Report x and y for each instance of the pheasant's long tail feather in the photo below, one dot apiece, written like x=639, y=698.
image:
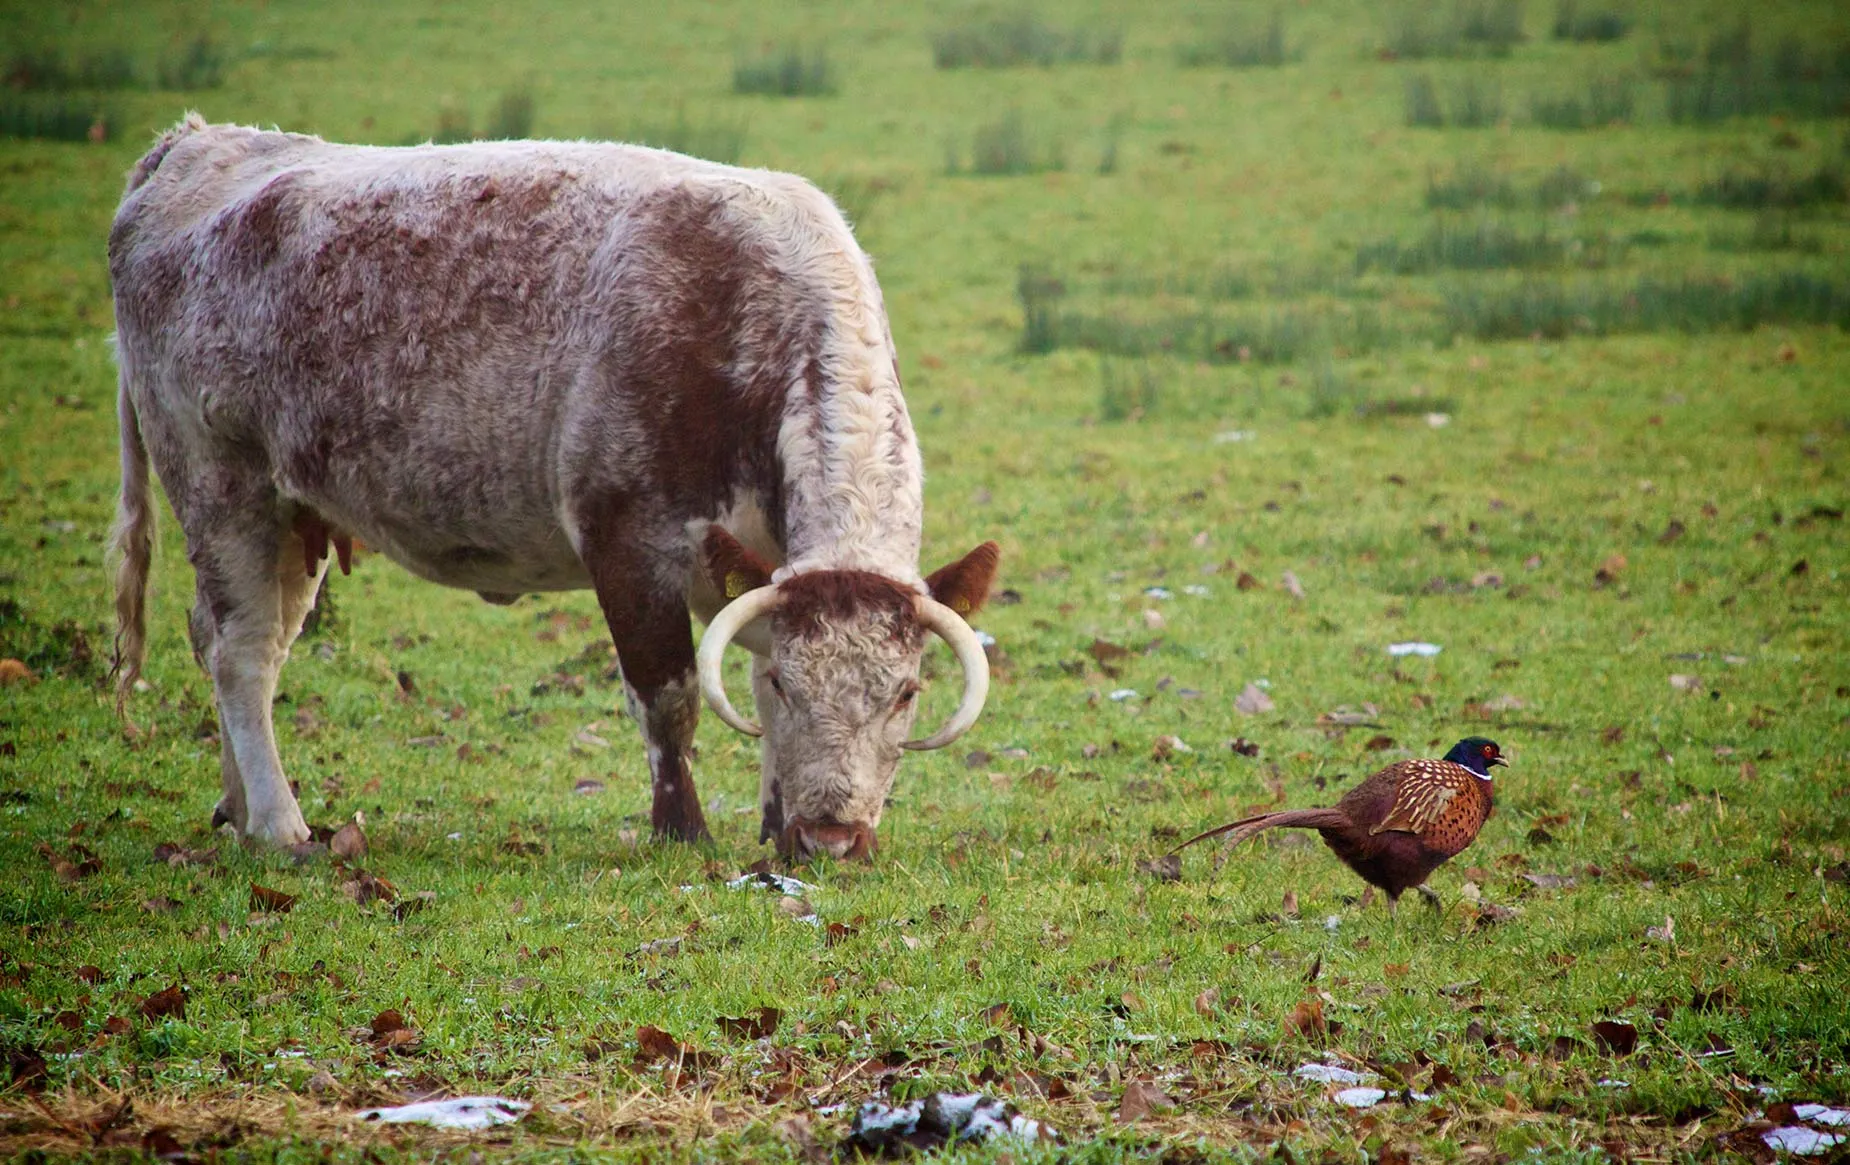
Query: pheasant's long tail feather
x=1239, y=831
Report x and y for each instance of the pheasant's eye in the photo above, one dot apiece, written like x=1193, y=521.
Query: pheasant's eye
x=1490, y=750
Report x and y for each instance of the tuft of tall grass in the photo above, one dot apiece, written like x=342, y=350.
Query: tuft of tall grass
x=512, y=117
x=198, y=64
x=1422, y=103
x=55, y=118
x=1040, y=292
x=1763, y=188
x=1601, y=101
x=1472, y=27
x=1129, y=390
x=791, y=70
x=1239, y=46
x=1734, y=80
x=1553, y=309
x=1495, y=24
x=1771, y=230
x=1477, y=102
x=109, y=67
x=1486, y=245
x=1573, y=24
x=1007, y=146
x=1469, y=184
x=1022, y=38
x=453, y=124
x=1561, y=187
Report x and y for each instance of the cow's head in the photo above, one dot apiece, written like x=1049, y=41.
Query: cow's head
x=835, y=673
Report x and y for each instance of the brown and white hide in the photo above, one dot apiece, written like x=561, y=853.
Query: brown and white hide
x=534, y=366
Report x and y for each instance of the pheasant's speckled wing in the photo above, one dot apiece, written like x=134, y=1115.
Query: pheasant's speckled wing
x=1425, y=792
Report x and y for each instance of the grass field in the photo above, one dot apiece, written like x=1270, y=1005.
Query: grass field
x=1516, y=331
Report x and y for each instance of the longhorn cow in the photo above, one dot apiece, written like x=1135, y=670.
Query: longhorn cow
x=536, y=366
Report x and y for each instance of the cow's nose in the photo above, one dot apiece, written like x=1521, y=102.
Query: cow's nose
x=841, y=840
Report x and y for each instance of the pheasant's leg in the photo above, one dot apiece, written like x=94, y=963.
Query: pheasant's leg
x=1368, y=898
x=1432, y=899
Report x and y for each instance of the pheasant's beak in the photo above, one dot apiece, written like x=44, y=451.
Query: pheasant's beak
x=1497, y=760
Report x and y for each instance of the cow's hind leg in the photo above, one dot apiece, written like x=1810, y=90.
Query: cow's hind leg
x=654, y=636
x=254, y=591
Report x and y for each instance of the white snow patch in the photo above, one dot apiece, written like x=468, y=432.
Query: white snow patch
x=1799, y=1139
x=461, y=1112
x=1414, y=648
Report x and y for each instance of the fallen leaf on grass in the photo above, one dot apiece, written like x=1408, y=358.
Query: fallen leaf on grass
x=88, y=974
x=271, y=901
x=1684, y=682
x=752, y=1027
x=170, y=1003
x=1208, y=1001
x=835, y=933
x=1104, y=651
x=161, y=905
x=1294, y=588
x=588, y=787
x=175, y=855
x=348, y=842
x=1141, y=1100
x=1615, y=1038
x=1306, y=1020
x=1253, y=701
x=1666, y=933
x=365, y=887
x=1379, y=743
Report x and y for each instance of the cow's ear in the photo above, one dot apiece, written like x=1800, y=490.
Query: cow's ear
x=963, y=586
x=732, y=568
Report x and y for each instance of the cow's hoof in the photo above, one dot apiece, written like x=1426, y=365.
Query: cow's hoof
x=280, y=832
x=226, y=813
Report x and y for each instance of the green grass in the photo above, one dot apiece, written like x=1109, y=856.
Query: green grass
x=1580, y=482
x=791, y=70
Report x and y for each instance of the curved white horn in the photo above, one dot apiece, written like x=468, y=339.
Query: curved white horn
x=950, y=627
x=726, y=624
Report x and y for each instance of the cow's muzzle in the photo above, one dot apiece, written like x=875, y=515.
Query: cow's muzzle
x=803, y=839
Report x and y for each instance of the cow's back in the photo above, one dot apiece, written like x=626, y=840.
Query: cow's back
x=410, y=333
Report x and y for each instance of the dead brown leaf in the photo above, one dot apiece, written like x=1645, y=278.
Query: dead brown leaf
x=1615, y=1038
x=165, y=1004
x=1253, y=701
x=271, y=901
x=1105, y=651
x=348, y=842
x=161, y=905
x=1208, y=1001
x=1142, y=1099
x=1306, y=1020
x=752, y=1027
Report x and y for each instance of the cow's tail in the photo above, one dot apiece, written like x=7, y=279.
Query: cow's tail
x=132, y=547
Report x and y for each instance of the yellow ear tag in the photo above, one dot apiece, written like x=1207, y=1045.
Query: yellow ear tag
x=961, y=606
x=736, y=584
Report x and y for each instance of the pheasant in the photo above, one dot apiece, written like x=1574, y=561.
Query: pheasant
x=1398, y=826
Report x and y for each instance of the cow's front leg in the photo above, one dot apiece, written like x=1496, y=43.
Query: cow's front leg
x=252, y=595
x=654, y=636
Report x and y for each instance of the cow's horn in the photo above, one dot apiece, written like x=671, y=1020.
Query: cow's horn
x=731, y=618
x=950, y=627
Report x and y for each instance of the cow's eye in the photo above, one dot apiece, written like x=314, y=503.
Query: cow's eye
x=906, y=697
x=777, y=684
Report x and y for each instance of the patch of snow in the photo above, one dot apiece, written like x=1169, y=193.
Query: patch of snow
x=1122, y=694
x=782, y=883
x=1820, y=1114
x=1361, y=1097
x=1229, y=436
x=1328, y=1074
x=461, y=1112
x=1414, y=648
x=1799, y=1139
x=985, y=638
x=1196, y=590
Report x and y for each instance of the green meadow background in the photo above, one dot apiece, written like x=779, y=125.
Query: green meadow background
x=1261, y=338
